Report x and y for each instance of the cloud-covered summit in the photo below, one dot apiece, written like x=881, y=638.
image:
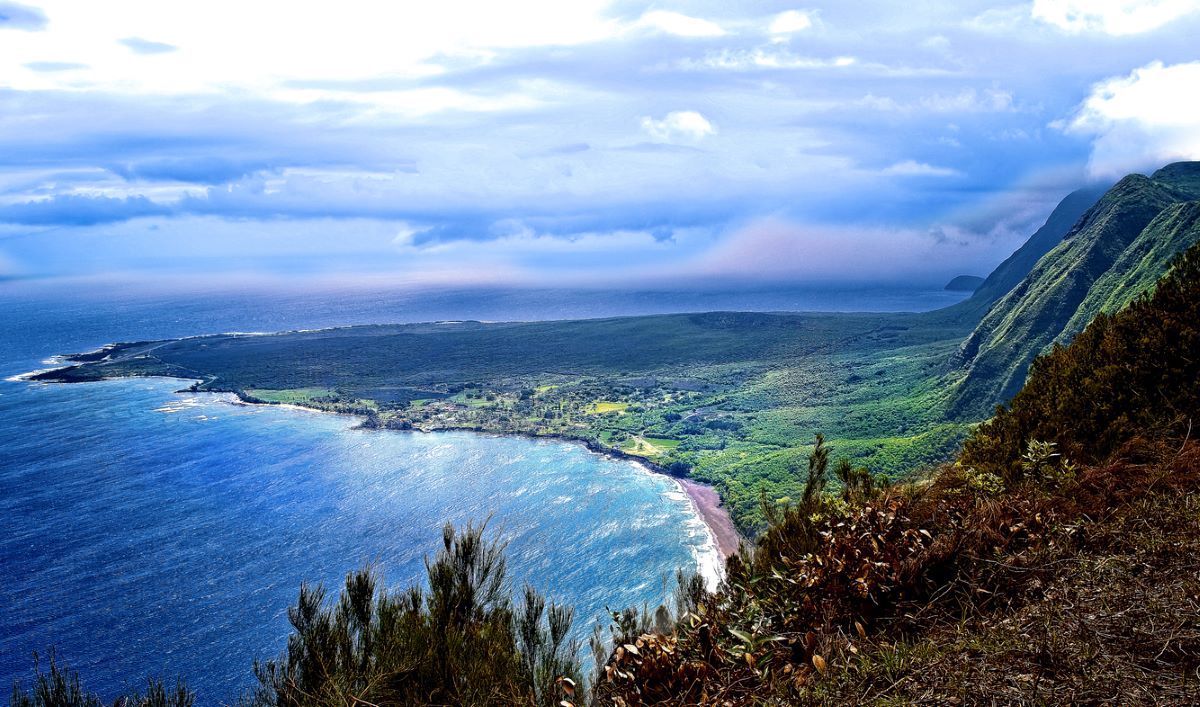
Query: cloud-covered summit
x=591, y=140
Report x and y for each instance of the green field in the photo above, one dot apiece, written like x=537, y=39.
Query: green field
x=601, y=407
x=653, y=448
x=296, y=396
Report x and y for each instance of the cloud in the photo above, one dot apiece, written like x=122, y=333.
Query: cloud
x=912, y=168
x=937, y=43
x=1142, y=120
x=679, y=126
x=1114, y=17
x=479, y=126
x=778, y=249
x=78, y=210
x=1006, y=19
x=969, y=100
x=15, y=16
x=209, y=169
x=678, y=24
x=790, y=22
x=54, y=66
x=762, y=58
x=144, y=46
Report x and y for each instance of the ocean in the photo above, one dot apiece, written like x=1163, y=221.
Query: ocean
x=149, y=532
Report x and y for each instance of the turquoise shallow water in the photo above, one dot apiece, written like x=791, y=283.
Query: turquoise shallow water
x=148, y=532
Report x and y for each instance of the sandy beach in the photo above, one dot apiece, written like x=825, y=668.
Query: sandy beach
x=714, y=515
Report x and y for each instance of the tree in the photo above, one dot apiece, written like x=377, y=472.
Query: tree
x=60, y=687
x=459, y=643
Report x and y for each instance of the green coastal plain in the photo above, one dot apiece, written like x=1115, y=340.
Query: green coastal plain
x=727, y=398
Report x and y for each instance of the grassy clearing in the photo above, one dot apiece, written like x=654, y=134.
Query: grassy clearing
x=654, y=447
x=662, y=443
x=292, y=395
x=601, y=407
x=474, y=402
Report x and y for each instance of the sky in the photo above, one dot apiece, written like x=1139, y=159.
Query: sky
x=587, y=142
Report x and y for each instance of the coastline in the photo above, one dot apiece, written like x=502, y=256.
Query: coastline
x=723, y=538
x=720, y=525
x=54, y=362
x=706, y=503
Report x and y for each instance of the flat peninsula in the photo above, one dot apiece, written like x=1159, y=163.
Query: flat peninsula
x=729, y=399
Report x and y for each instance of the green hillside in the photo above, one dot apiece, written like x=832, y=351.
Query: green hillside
x=1139, y=267
x=1112, y=254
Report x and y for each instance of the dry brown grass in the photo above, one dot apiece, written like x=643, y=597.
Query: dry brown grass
x=1098, y=603
x=1084, y=593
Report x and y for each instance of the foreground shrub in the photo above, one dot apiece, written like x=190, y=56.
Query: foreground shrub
x=60, y=687
x=461, y=643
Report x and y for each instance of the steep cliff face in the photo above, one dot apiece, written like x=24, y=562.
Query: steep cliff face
x=1116, y=251
x=1139, y=266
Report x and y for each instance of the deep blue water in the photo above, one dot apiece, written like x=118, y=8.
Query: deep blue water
x=149, y=532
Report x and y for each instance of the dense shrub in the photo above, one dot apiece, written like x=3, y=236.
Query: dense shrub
x=462, y=642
